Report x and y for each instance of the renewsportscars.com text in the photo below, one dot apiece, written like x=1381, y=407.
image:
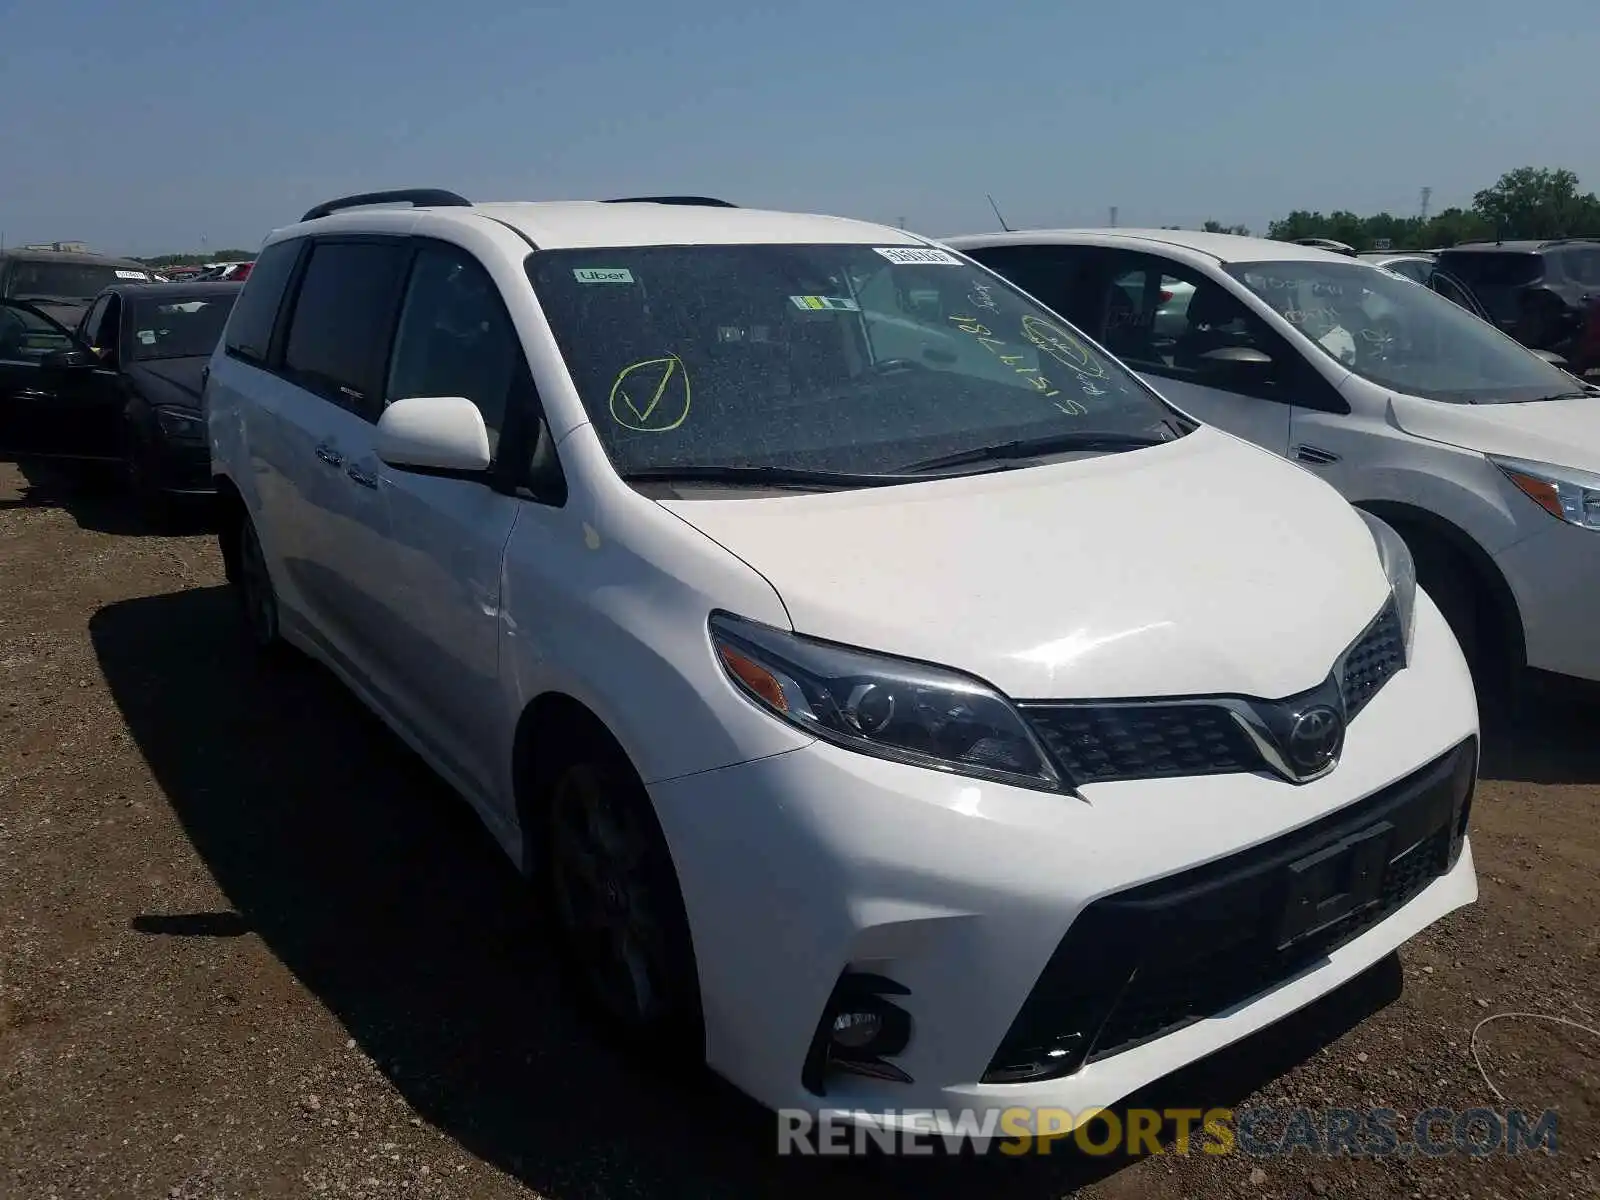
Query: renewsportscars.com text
x=1259, y=1132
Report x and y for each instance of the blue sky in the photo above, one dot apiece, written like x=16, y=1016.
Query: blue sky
x=141, y=127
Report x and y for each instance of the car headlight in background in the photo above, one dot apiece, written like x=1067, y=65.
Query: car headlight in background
x=1565, y=493
x=889, y=707
x=181, y=424
x=1401, y=569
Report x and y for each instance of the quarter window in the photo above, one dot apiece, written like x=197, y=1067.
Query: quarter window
x=250, y=325
x=339, y=334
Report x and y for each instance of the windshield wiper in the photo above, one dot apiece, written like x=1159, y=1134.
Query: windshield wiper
x=1036, y=447
x=776, y=477
x=1579, y=394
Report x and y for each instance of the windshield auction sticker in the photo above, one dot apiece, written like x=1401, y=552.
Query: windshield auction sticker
x=918, y=256
x=825, y=303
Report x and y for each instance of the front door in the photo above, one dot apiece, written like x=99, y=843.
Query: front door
x=448, y=536
x=1186, y=335
x=49, y=406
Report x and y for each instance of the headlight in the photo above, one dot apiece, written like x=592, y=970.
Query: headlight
x=889, y=707
x=1401, y=569
x=181, y=424
x=1565, y=493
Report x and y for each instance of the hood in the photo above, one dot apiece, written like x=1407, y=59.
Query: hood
x=1200, y=566
x=173, y=381
x=1560, y=432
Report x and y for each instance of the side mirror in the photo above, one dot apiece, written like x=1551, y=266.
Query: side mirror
x=68, y=360
x=443, y=434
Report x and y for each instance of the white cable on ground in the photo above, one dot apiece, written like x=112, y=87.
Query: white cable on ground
x=1531, y=1016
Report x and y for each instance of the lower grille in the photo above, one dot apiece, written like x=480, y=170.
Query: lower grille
x=1157, y=1004
x=1144, y=962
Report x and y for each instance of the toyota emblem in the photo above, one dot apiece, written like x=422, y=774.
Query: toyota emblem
x=1315, y=739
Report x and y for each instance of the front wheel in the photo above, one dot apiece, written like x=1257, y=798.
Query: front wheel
x=144, y=483
x=617, y=904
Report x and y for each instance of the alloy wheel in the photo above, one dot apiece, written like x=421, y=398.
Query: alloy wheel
x=605, y=896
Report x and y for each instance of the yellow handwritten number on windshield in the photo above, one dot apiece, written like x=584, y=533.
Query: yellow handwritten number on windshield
x=665, y=383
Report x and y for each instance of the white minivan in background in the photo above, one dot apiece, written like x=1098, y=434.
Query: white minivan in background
x=898, y=703
x=1483, y=455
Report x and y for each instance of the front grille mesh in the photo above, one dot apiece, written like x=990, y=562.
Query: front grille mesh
x=1155, y=739
x=1152, y=741
x=1373, y=660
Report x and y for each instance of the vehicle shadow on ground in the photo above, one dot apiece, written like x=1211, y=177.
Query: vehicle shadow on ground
x=97, y=499
x=383, y=895
x=1550, y=735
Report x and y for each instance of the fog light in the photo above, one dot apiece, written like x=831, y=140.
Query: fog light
x=856, y=1030
x=859, y=1032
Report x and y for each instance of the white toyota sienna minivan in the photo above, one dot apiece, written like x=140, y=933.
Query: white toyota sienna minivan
x=897, y=702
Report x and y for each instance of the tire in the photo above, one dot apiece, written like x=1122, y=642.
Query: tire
x=1467, y=608
x=617, y=908
x=154, y=505
x=258, y=599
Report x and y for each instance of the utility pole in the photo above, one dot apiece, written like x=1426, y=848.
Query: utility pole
x=1427, y=194
x=1113, y=216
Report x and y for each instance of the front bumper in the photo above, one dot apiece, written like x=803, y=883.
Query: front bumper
x=796, y=867
x=1555, y=577
x=180, y=468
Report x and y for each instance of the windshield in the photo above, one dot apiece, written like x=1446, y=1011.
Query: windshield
x=1492, y=268
x=820, y=357
x=32, y=280
x=178, y=328
x=1401, y=336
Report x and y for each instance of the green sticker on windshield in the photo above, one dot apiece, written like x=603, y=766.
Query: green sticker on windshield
x=825, y=303
x=602, y=275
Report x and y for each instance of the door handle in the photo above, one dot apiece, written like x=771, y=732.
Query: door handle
x=330, y=456
x=364, y=478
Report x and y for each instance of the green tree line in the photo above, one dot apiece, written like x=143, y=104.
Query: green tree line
x=195, y=260
x=1530, y=202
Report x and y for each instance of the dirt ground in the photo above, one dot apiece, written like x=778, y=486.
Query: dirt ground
x=249, y=947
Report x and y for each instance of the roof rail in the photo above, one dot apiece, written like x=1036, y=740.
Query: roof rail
x=419, y=197
x=693, y=201
x=1563, y=240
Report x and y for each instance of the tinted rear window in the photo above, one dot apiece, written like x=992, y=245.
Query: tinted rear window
x=1492, y=268
x=343, y=318
x=32, y=279
x=249, y=333
x=1582, y=266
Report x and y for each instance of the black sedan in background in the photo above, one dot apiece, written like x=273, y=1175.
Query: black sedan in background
x=124, y=386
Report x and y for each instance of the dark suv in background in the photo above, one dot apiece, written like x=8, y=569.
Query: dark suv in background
x=1543, y=293
x=63, y=283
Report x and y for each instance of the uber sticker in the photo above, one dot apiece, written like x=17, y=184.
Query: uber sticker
x=602, y=275
x=147, y=337
x=825, y=303
x=132, y=275
x=918, y=256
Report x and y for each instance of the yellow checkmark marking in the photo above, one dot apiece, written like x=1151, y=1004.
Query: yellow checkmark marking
x=637, y=418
